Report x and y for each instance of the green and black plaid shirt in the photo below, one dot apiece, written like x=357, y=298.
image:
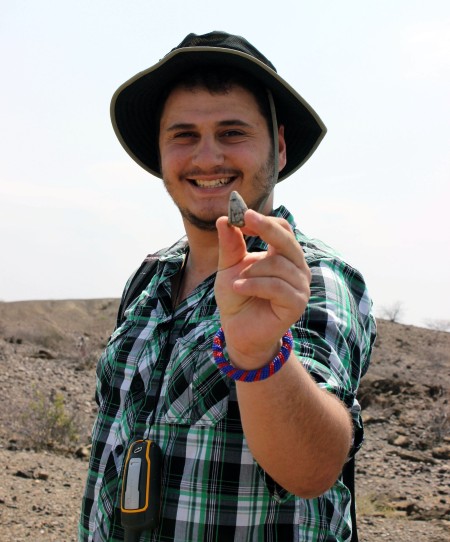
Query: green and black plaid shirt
x=157, y=380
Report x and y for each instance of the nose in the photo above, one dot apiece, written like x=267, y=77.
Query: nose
x=207, y=153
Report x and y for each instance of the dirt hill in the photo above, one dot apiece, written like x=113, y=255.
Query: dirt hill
x=48, y=353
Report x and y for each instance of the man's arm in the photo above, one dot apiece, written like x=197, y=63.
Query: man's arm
x=300, y=434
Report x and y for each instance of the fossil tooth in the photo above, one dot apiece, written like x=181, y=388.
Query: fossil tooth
x=236, y=210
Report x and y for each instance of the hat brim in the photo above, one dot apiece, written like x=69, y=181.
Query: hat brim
x=133, y=106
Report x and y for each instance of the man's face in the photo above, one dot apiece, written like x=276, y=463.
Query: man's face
x=211, y=144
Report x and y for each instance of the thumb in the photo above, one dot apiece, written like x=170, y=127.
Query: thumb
x=232, y=248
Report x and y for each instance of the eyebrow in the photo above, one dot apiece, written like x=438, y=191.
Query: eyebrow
x=190, y=126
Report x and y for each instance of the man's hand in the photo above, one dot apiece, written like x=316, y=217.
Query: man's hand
x=259, y=295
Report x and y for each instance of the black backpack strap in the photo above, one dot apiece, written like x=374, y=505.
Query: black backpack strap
x=140, y=280
x=348, y=478
x=136, y=284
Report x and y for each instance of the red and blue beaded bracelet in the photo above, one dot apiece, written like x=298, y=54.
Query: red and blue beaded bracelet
x=254, y=375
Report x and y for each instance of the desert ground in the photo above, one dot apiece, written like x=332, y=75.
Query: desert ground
x=48, y=354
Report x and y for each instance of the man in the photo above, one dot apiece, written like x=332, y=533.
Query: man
x=253, y=434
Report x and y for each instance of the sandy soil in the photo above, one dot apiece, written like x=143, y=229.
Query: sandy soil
x=48, y=350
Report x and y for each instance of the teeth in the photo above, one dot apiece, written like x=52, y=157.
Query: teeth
x=212, y=184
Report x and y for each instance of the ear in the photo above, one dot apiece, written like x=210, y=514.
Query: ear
x=281, y=148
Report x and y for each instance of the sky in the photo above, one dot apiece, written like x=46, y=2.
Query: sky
x=77, y=215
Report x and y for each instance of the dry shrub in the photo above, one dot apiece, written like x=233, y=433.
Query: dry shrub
x=46, y=423
x=374, y=505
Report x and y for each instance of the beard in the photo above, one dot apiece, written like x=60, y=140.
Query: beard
x=262, y=184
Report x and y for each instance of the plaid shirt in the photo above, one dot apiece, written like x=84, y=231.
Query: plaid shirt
x=156, y=379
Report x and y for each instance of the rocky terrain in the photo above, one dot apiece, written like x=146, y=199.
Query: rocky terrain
x=48, y=353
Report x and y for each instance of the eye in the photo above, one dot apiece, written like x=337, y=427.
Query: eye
x=182, y=135
x=184, y=138
x=233, y=134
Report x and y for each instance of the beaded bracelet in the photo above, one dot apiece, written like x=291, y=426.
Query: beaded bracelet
x=254, y=375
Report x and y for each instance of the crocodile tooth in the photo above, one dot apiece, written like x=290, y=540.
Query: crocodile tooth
x=236, y=210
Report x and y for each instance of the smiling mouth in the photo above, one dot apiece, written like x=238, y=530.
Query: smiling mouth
x=212, y=183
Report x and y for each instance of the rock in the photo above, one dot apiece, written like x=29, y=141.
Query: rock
x=400, y=440
x=368, y=419
x=24, y=474
x=43, y=354
x=411, y=509
x=418, y=457
x=428, y=513
x=403, y=506
x=83, y=451
x=441, y=452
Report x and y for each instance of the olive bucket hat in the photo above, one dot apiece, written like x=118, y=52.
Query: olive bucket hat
x=135, y=104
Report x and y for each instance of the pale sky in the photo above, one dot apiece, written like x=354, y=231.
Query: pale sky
x=77, y=215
